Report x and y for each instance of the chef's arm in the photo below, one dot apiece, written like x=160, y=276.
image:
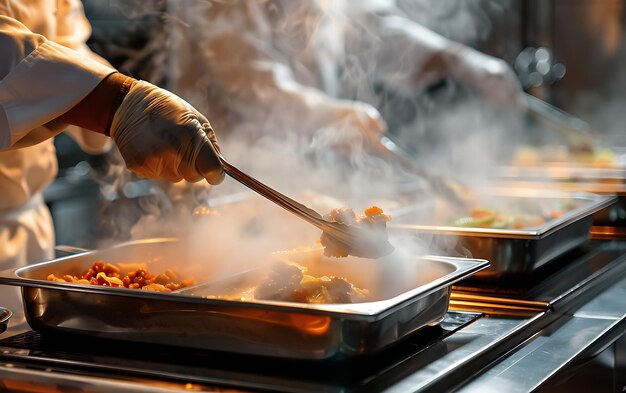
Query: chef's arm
x=95, y=111
x=247, y=71
x=409, y=56
x=259, y=84
x=39, y=81
x=266, y=93
x=45, y=86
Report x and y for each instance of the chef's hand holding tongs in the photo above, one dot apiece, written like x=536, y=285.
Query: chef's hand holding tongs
x=160, y=135
x=497, y=84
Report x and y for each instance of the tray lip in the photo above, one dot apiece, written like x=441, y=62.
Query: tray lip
x=367, y=311
x=597, y=202
x=562, y=170
x=593, y=187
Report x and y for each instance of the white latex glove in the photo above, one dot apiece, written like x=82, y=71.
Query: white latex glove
x=161, y=136
x=490, y=77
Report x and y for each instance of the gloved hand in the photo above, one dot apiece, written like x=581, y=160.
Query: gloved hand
x=409, y=56
x=161, y=136
x=352, y=122
x=490, y=77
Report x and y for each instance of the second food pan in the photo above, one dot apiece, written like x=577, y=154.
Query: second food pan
x=572, y=178
x=512, y=252
x=406, y=295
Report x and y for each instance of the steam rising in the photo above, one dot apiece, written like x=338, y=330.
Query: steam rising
x=298, y=148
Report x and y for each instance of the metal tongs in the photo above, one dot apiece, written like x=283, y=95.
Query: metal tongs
x=357, y=241
x=577, y=133
x=448, y=189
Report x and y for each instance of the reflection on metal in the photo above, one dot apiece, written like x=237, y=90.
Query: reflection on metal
x=262, y=327
x=467, y=352
x=514, y=252
x=610, y=304
x=569, y=343
x=27, y=378
x=620, y=365
x=493, y=305
x=493, y=309
x=544, y=357
x=608, y=233
x=586, y=316
x=338, y=375
x=5, y=315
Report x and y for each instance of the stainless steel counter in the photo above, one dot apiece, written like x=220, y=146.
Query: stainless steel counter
x=573, y=339
x=493, y=353
x=456, y=357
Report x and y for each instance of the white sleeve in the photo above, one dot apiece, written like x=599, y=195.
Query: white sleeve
x=39, y=81
x=237, y=52
x=407, y=55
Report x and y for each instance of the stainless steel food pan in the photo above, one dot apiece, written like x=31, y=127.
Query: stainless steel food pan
x=514, y=252
x=603, y=181
x=407, y=294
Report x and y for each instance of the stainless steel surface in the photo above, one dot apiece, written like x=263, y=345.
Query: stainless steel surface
x=29, y=378
x=440, y=364
x=478, y=344
x=500, y=305
x=357, y=241
x=609, y=304
x=419, y=297
x=516, y=251
x=5, y=315
x=589, y=280
x=532, y=366
x=459, y=360
x=620, y=365
x=566, y=344
x=567, y=284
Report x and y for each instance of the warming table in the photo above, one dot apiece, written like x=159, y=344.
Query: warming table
x=538, y=349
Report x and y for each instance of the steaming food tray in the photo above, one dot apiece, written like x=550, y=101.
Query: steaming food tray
x=513, y=252
x=573, y=178
x=402, y=304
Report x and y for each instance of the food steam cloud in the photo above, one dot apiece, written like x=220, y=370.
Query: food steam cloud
x=266, y=53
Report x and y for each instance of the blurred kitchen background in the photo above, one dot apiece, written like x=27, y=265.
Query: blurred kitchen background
x=567, y=52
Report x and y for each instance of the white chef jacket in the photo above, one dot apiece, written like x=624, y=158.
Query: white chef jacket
x=40, y=79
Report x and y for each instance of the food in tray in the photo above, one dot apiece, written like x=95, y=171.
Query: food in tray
x=289, y=282
x=492, y=218
x=600, y=158
x=131, y=276
x=373, y=220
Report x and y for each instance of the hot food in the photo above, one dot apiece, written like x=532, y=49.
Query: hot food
x=372, y=223
x=503, y=219
x=288, y=282
x=136, y=277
